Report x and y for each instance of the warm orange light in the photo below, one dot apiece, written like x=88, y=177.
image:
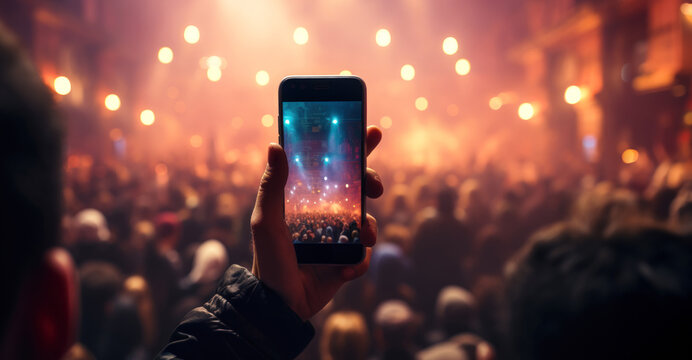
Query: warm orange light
x=630, y=156
x=300, y=36
x=687, y=119
x=237, y=122
x=214, y=74
x=462, y=67
x=495, y=103
x=231, y=156
x=408, y=72
x=383, y=37
x=686, y=9
x=191, y=34
x=450, y=45
x=62, y=85
x=526, y=111
x=214, y=62
x=115, y=134
x=262, y=78
x=147, y=117
x=196, y=141
x=267, y=120
x=386, y=122
x=345, y=72
x=165, y=55
x=573, y=94
x=421, y=103
x=112, y=102
x=452, y=110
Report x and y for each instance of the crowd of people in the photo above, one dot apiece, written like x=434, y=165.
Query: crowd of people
x=323, y=228
x=473, y=263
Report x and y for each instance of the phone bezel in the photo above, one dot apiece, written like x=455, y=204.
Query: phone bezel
x=328, y=88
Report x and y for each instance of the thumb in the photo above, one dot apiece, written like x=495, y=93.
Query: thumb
x=268, y=212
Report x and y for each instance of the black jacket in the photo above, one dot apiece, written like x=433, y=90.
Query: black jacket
x=243, y=320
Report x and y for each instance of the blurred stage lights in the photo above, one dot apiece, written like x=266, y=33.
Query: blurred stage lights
x=383, y=38
x=62, y=85
x=386, y=122
x=191, y=34
x=262, y=78
x=287, y=122
x=495, y=103
x=450, y=45
x=147, y=117
x=686, y=9
x=196, y=141
x=300, y=36
x=214, y=61
x=462, y=67
x=526, y=111
x=421, y=103
x=573, y=95
x=267, y=120
x=214, y=74
x=165, y=55
x=408, y=72
x=345, y=73
x=112, y=102
x=335, y=121
x=630, y=156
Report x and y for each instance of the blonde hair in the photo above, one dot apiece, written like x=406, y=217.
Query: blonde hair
x=345, y=336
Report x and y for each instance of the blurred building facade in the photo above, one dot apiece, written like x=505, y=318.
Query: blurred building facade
x=630, y=59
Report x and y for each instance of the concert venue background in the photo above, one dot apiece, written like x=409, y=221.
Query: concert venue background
x=323, y=142
x=499, y=118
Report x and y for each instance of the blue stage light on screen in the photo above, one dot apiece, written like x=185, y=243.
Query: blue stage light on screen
x=297, y=158
x=326, y=160
x=335, y=121
x=287, y=122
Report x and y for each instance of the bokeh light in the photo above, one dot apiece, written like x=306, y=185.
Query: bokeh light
x=191, y=34
x=62, y=85
x=462, y=67
x=630, y=156
x=383, y=38
x=495, y=103
x=147, y=117
x=262, y=78
x=686, y=9
x=452, y=110
x=408, y=72
x=345, y=73
x=450, y=45
x=112, y=102
x=526, y=111
x=300, y=36
x=421, y=103
x=573, y=94
x=214, y=61
x=196, y=141
x=386, y=122
x=267, y=120
x=214, y=74
x=165, y=55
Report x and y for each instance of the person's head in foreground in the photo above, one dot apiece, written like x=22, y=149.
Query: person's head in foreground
x=345, y=337
x=625, y=295
x=39, y=315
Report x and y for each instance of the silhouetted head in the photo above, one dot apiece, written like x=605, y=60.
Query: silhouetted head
x=31, y=193
x=625, y=295
x=345, y=336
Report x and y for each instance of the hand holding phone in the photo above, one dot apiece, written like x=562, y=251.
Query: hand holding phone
x=305, y=288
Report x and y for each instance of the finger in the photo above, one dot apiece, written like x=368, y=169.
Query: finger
x=369, y=232
x=351, y=272
x=268, y=211
x=373, y=184
x=373, y=136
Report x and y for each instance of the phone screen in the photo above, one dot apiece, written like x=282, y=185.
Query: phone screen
x=323, y=144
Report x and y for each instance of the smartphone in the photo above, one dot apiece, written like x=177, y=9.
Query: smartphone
x=322, y=129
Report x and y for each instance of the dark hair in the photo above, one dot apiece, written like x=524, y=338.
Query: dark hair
x=30, y=169
x=625, y=295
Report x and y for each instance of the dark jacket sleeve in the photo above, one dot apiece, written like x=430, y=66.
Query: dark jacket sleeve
x=243, y=320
